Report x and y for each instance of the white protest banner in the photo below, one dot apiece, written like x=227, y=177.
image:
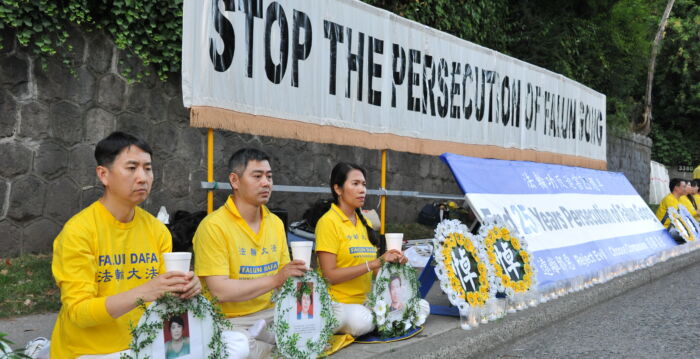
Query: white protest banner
x=344, y=72
x=576, y=220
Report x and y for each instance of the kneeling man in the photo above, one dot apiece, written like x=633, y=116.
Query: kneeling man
x=677, y=187
x=241, y=251
x=110, y=255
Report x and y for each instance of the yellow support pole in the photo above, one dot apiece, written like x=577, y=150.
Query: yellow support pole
x=210, y=169
x=382, y=200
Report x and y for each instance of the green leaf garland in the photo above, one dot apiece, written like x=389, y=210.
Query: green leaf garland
x=387, y=327
x=167, y=306
x=288, y=344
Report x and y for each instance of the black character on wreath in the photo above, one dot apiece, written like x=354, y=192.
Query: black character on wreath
x=466, y=269
x=509, y=260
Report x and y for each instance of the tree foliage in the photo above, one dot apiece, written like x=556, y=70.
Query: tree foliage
x=484, y=22
x=603, y=44
x=676, y=101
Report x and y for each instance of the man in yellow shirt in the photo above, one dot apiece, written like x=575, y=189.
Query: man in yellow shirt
x=110, y=255
x=677, y=187
x=696, y=172
x=241, y=251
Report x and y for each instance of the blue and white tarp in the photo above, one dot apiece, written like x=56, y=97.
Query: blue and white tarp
x=576, y=220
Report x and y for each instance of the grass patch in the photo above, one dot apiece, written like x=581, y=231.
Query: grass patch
x=27, y=286
x=411, y=230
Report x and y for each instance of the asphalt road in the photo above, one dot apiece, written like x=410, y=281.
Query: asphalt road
x=657, y=320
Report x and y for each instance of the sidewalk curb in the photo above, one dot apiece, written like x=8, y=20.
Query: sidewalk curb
x=443, y=337
x=458, y=343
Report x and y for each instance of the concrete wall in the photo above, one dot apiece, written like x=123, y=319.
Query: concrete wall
x=51, y=119
x=631, y=154
x=673, y=172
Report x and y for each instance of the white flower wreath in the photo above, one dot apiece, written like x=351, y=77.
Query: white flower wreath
x=513, y=252
x=391, y=324
x=452, y=235
x=315, y=340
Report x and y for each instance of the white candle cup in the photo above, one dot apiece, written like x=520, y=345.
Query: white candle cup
x=177, y=261
x=484, y=314
x=394, y=241
x=473, y=318
x=302, y=250
x=464, y=322
x=511, y=305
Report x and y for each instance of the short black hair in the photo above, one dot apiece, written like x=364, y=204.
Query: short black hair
x=239, y=159
x=109, y=147
x=177, y=319
x=675, y=182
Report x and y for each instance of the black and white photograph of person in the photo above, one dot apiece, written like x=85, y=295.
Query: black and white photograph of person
x=305, y=300
x=176, y=336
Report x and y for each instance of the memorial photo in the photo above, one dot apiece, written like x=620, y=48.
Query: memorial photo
x=176, y=336
x=396, y=295
x=305, y=300
x=395, y=286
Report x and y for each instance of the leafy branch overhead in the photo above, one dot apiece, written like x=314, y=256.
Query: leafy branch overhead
x=676, y=100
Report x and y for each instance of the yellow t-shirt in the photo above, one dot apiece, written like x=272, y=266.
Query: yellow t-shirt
x=96, y=256
x=336, y=234
x=224, y=244
x=688, y=205
x=697, y=204
x=669, y=201
x=696, y=173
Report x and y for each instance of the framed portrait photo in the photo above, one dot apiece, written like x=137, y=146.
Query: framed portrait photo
x=171, y=328
x=305, y=302
x=394, y=300
x=304, y=318
x=176, y=336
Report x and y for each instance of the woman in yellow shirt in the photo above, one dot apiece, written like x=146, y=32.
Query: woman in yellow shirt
x=347, y=246
x=694, y=197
